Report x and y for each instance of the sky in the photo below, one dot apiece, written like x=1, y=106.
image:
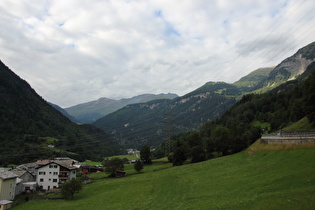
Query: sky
x=75, y=51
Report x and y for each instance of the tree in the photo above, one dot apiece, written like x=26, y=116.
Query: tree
x=221, y=137
x=70, y=187
x=198, y=154
x=112, y=165
x=138, y=166
x=180, y=153
x=145, y=154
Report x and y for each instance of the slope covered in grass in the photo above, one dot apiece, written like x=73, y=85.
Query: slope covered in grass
x=260, y=180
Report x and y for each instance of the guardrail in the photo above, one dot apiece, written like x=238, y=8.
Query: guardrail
x=289, y=138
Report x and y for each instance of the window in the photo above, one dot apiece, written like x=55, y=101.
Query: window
x=50, y=172
x=42, y=173
x=49, y=179
x=55, y=173
x=41, y=180
x=52, y=166
x=55, y=180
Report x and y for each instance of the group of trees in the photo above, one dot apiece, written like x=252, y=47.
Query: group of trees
x=212, y=140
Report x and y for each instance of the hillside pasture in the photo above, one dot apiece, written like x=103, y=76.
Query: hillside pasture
x=263, y=179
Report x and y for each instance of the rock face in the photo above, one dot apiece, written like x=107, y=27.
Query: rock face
x=291, y=67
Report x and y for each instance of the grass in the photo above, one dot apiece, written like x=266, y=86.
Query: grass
x=259, y=146
x=301, y=125
x=92, y=163
x=129, y=157
x=264, y=125
x=261, y=179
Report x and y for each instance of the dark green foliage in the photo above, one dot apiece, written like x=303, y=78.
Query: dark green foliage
x=145, y=154
x=71, y=187
x=25, y=118
x=112, y=165
x=221, y=136
x=138, y=166
x=198, y=154
x=180, y=153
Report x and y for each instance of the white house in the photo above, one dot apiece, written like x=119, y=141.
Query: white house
x=54, y=173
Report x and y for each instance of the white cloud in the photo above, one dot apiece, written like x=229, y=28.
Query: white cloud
x=76, y=51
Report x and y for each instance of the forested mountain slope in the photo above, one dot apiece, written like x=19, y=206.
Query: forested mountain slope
x=27, y=120
x=151, y=122
x=245, y=121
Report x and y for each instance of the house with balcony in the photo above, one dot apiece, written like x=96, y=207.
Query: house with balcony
x=55, y=172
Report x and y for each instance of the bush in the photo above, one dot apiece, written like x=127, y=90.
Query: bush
x=138, y=166
x=70, y=187
x=112, y=165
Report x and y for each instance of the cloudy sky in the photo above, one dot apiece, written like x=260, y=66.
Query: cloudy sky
x=74, y=51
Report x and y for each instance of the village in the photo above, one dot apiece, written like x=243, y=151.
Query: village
x=39, y=176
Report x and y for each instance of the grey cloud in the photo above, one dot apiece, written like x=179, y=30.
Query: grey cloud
x=77, y=51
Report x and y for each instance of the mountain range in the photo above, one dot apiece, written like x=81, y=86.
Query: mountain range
x=152, y=122
x=31, y=128
x=91, y=111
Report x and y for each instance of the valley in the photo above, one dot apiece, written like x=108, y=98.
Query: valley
x=206, y=145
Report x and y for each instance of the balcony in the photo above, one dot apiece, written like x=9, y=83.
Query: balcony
x=63, y=176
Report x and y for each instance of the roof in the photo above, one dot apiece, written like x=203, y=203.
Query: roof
x=4, y=202
x=63, y=163
x=20, y=172
x=27, y=165
x=121, y=171
x=5, y=174
x=29, y=184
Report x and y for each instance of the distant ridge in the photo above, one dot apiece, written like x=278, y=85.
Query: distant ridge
x=94, y=110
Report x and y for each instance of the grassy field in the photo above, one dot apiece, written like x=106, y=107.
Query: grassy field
x=259, y=178
x=301, y=125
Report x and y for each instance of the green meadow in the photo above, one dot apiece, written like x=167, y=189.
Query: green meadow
x=259, y=178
